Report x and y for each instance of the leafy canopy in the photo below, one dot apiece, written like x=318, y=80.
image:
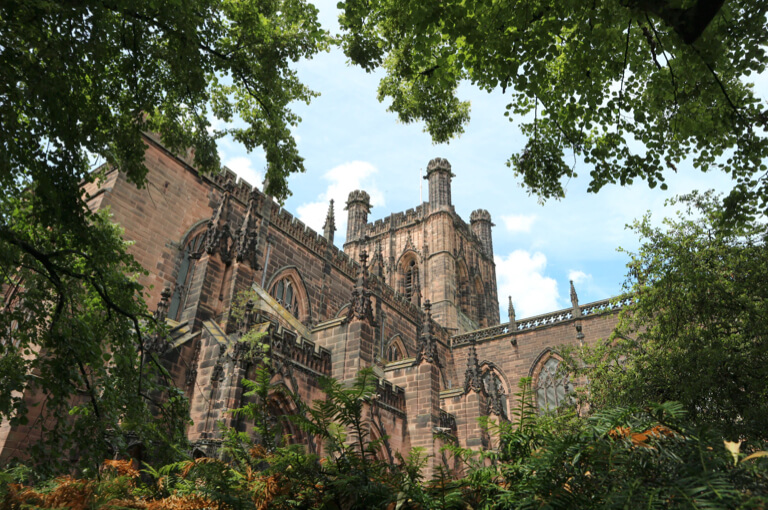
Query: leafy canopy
x=696, y=333
x=80, y=82
x=630, y=88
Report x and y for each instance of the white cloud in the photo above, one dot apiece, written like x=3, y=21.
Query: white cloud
x=519, y=222
x=242, y=166
x=343, y=179
x=521, y=275
x=578, y=277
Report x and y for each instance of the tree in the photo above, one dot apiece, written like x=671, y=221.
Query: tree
x=79, y=83
x=696, y=333
x=75, y=345
x=631, y=88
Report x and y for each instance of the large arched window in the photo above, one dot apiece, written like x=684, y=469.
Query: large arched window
x=190, y=254
x=551, y=386
x=284, y=293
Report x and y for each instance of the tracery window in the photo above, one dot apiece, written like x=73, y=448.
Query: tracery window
x=393, y=353
x=552, y=386
x=410, y=279
x=494, y=388
x=192, y=250
x=284, y=293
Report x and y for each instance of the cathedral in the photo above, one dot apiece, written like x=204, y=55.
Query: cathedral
x=412, y=296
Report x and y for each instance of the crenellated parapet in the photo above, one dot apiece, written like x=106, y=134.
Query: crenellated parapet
x=303, y=354
x=391, y=397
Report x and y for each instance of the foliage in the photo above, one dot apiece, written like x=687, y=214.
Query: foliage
x=84, y=79
x=630, y=88
x=696, y=332
x=618, y=458
x=74, y=334
x=80, y=82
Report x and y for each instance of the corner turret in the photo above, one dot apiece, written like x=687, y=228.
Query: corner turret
x=439, y=178
x=358, y=207
x=480, y=220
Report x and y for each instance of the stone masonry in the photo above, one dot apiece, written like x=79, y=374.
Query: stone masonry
x=412, y=295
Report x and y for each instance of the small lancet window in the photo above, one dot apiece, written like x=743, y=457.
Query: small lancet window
x=411, y=279
x=552, y=386
x=284, y=293
x=393, y=353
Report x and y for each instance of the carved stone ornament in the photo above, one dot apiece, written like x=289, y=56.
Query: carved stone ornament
x=192, y=368
x=377, y=262
x=473, y=378
x=157, y=342
x=495, y=393
x=427, y=344
x=360, y=307
x=246, y=246
x=218, y=236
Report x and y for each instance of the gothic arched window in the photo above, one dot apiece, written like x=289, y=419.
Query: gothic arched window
x=551, y=386
x=411, y=280
x=192, y=250
x=393, y=353
x=284, y=293
x=497, y=396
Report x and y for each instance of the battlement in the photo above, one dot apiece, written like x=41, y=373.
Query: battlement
x=304, y=353
x=479, y=215
x=391, y=396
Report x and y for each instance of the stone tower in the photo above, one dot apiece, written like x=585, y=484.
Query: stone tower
x=430, y=253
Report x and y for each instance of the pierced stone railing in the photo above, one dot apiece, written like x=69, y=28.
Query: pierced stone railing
x=547, y=319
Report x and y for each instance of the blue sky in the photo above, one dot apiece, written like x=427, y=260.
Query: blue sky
x=349, y=141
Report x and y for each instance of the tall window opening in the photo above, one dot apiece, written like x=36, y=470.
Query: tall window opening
x=551, y=387
x=411, y=280
x=192, y=250
x=284, y=293
x=393, y=353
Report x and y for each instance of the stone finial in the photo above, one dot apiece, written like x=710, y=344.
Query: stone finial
x=377, y=262
x=265, y=184
x=511, y=314
x=361, y=308
x=248, y=318
x=575, y=302
x=473, y=379
x=427, y=344
x=330, y=224
x=218, y=236
x=161, y=312
x=157, y=341
x=247, y=242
